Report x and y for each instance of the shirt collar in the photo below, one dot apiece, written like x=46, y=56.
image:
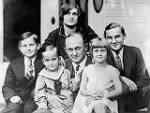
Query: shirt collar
x=120, y=53
x=82, y=64
x=26, y=59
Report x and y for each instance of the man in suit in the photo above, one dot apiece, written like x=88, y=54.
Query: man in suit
x=75, y=47
x=21, y=76
x=133, y=72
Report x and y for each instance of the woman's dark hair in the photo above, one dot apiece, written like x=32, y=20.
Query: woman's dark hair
x=114, y=25
x=65, y=8
x=100, y=44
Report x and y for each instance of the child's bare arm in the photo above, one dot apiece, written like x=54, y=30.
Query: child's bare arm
x=117, y=90
x=83, y=85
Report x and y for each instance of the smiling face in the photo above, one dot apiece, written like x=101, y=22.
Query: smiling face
x=115, y=38
x=51, y=59
x=99, y=54
x=99, y=51
x=28, y=47
x=71, y=18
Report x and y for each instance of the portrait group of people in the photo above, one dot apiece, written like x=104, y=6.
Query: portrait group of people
x=76, y=71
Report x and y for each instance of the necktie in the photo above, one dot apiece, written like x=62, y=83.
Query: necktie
x=118, y=61
x=77, y=68
x=29, y=73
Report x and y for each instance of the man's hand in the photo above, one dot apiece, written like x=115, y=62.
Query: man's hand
x=15, y=99
x=78, y=75
x=132, y=86
x=42, y=105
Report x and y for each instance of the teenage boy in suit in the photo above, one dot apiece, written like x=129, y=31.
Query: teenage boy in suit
x=21, y=76
x=133, y=72
x=76, y=47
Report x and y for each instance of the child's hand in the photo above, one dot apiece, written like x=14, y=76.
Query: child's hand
x=15, y=99
x=42, y=105
x=98, y=95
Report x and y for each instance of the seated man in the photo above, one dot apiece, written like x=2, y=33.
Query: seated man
x=130, y=62
x=76, y=47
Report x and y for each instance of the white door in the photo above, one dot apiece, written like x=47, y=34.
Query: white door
x=49, y=17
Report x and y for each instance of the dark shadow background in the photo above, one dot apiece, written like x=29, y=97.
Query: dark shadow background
x=24, y=15
x=19, y=16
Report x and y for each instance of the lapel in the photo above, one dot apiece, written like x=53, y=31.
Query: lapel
x=127, y=60
x=88, y=61
x=110, y=58
x=70, y=67
x=19, y=70
x=38, y=65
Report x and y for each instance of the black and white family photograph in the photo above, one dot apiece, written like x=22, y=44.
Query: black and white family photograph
x=75, y=56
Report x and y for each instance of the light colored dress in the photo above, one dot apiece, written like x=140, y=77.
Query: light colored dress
x=46, y=92
x=96, y=82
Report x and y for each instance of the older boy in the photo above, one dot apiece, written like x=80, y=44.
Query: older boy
x=21, y=75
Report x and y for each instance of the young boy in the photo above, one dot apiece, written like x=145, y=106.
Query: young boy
x=52, y=91
x=21, y=75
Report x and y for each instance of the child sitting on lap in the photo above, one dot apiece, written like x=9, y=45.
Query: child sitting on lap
x=52, y=92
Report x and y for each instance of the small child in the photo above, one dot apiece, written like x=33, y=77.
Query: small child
x=100, y=82
x=52, y=92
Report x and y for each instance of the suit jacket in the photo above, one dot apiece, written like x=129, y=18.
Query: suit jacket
x=16, y=83
x=134, y=69
x=72, y=71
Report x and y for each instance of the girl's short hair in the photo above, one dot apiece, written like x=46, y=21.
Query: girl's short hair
x=100, y=43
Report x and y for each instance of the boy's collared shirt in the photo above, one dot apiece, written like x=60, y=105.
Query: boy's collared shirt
x=82, y=65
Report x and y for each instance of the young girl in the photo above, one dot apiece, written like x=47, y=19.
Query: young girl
x=100, y=82
x=52, y=92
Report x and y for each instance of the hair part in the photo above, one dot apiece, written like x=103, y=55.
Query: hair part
x=114, y=25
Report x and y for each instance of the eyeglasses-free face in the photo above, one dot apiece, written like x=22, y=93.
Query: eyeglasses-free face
x=115, y=38
x=71, y=18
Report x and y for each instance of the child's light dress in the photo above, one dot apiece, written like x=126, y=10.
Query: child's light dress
x=96, y=82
